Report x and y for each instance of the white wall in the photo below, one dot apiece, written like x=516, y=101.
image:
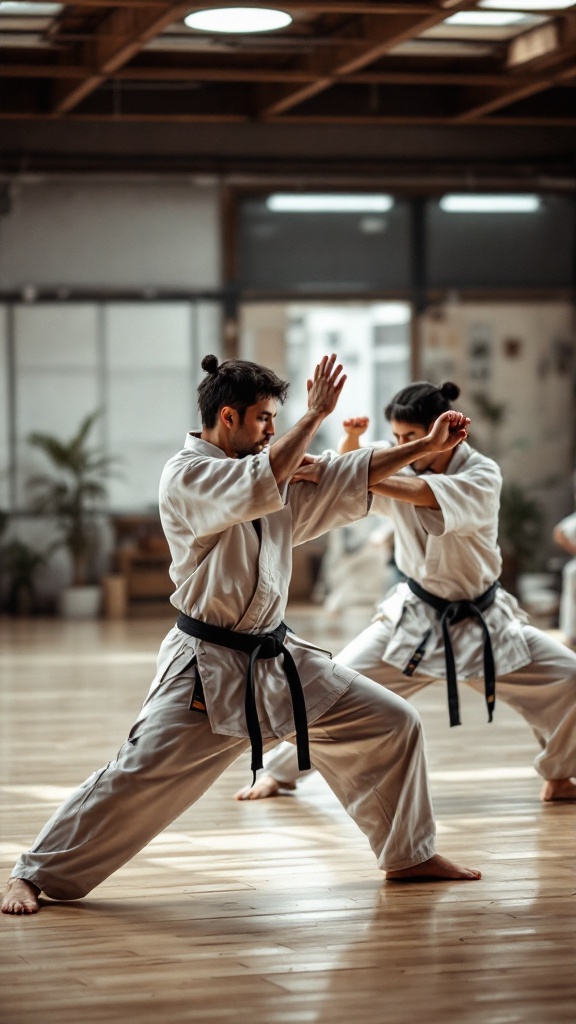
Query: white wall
x=98, y=234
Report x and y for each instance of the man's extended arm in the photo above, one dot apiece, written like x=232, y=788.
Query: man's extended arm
x=324, y=389
x=413, y=490
x=448, y=431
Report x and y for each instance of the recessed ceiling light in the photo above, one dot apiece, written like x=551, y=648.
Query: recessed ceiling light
x=238, y=19
x=331, y=202
x=483, y=19
x=468, y=203
x=526, y=5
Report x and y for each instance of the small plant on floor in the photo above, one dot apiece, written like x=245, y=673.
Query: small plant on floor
x=19, y=564
x=74, y=492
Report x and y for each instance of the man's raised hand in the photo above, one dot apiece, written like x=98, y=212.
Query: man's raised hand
x=325, y=387
x=449, y=430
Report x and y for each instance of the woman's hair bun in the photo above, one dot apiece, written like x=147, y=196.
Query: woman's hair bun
x=210, y=364
x=450, y=390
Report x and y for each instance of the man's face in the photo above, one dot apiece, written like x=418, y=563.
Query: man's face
x=404, y=432
x=256, y=430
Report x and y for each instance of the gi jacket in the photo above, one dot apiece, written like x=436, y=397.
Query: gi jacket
x=229, y=574
x=452, y=552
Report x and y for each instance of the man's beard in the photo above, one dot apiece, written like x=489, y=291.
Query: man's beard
x=254, y=450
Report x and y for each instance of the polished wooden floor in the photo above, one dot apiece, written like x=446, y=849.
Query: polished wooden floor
x=274, y=912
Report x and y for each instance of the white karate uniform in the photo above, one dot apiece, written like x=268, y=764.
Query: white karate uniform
x=367, y=742
x=568, y=598
x=453, y=553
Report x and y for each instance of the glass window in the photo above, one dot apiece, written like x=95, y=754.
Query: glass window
x=372, y=341
x=501, y=250
x=323, y=252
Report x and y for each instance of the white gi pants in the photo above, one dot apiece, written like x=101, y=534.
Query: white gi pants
x=568, y=601
x=543, y=692
x=368, y=746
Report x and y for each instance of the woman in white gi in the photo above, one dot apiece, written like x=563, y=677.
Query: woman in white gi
x=565, y=535
x=231, y=517
x=445, y=513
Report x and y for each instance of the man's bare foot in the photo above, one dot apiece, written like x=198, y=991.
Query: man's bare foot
x=21, y=897
x=265, y=786
x=558, y=789
x=437, y=869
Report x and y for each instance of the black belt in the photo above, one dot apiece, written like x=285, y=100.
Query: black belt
x=259, y=647
x=451, y=612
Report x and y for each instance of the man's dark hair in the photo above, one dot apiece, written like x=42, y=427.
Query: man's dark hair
x=238, y=383
x=421, y=403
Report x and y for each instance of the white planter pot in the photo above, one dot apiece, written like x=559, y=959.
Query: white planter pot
x=80, y=602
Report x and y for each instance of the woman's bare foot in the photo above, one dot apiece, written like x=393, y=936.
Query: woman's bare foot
x=437, y=869
x=21, y=897
x=265, y=786
x=558, y=789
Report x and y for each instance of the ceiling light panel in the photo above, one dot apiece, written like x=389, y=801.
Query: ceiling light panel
x=526, y=5
x=484, y=203
x=238, y=20
x=22, y=10
x=485, y=18
x=331, y=202
x=484, y=25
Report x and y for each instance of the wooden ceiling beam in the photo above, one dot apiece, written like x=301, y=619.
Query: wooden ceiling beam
x=379, y=36
x=555, y=77
x=358, y=7
x=116, y=41
x=203, y=74
x=547, y=71
x=378, y=120
x=313, y=6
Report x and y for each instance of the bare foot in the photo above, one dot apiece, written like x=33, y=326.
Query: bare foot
x=437, y=869
x=21, y=897
x=265, y=786
x=558, y=789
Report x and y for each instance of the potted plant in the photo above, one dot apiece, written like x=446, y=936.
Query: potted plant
x=73, y=494
x=520, y=534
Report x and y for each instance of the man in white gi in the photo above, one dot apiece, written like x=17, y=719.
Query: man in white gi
x=450, y=620
x=231, y=517
x=564, y=535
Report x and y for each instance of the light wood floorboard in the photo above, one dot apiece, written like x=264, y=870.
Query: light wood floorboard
x=274, y=912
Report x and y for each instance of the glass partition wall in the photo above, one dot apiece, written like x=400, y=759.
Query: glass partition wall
x=371, y=339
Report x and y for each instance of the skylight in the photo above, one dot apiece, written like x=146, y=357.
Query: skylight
x=484, y=19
